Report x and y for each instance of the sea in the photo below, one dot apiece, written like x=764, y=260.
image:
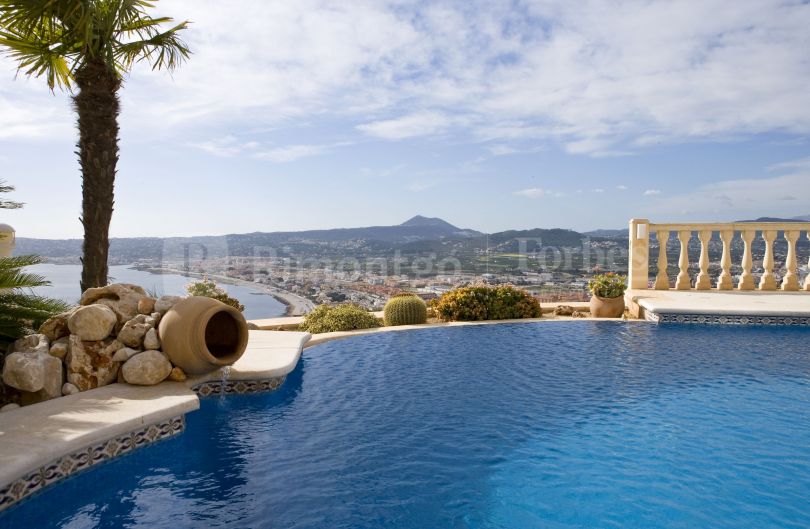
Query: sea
x=65, y=285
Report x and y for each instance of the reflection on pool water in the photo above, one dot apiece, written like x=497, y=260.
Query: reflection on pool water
x=581, y=424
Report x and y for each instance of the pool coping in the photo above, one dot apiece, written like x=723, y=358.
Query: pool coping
x=49, y=441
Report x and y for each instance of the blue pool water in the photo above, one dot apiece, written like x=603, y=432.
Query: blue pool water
x=551, y=425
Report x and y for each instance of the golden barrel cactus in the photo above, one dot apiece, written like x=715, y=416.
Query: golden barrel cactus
x=405, y=309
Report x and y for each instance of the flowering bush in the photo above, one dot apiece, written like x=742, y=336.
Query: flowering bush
x=347, y=317
x=209, y=289
x=609, y=285
x=483, y=302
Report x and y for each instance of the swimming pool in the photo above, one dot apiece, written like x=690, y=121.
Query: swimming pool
x=558, y=425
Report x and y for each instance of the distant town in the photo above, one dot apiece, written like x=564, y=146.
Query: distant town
x=427, y=256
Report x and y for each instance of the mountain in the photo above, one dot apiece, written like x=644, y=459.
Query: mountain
x=802, y=218
x=418, y=228
x=607, y=234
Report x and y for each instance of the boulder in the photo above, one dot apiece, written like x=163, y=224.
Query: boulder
x=56, y=327
x=177, y=375
x=69, y=389
x=133, y=331
x=146, y=369
x=164, y=303
x=92, y=323
x=151, y=340
x=122, y=298
x=90, y=364
x=146, y=305
x=10, y=406
x=124, y=354
x=38, y=375
x=59, y=348
x=33, y=343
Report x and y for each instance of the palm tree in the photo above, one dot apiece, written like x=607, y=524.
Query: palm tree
x=90, y=44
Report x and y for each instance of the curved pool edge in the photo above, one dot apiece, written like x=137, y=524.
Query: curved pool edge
x=46, y=442
x=318, y=339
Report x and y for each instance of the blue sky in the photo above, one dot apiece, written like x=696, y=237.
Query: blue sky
x=492, y=115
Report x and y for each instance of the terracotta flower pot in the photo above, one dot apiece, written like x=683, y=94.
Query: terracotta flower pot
x=607, y=307
x=201, y=334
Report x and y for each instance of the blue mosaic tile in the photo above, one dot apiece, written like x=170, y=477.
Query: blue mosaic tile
x=728, y=319
x=87, y=457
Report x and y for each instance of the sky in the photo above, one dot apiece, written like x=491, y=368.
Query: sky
x=492, y=115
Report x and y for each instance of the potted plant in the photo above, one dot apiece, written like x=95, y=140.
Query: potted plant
x=607, y=295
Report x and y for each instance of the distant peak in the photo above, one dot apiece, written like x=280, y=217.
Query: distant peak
x=419, y=220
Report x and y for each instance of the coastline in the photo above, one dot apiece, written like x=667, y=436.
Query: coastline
x=295, y=305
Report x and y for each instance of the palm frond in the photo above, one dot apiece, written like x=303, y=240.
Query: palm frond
x=161, y=49
x=8, y=204
x=12, y=276
x=54, y=38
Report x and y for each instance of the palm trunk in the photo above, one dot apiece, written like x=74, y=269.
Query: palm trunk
x=97, y=107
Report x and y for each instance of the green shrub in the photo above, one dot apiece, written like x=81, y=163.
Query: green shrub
x=346, y=317
x=609, y=285
x=209, y=289
x=405, y=309
x=483, y=302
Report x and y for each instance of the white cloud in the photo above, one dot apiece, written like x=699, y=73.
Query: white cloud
x=783, y=195
x=420, y=124
x=532, y=192
x=291, y=153
x=598, y=190
x=652, y=192
x=598, y=78
x=621, y=187
x=537, y=192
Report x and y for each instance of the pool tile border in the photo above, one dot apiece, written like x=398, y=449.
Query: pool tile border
x=728, y=319
x=213, y=388
x=87, y=457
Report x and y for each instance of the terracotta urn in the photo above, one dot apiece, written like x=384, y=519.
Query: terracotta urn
x=201, y=334
x=607, y=307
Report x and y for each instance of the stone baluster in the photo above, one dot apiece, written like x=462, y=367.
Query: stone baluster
x=703, y=281
x=639, y=258
x=807, y=279
x=791, y=279
x=683, y=282
x=724, y=281
x=747, y=278
x=768, y=280
x=662, y=279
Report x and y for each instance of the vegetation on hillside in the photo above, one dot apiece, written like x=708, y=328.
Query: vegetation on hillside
x=209, y=289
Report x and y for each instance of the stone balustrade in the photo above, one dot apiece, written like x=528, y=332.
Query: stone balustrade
x=747, y=232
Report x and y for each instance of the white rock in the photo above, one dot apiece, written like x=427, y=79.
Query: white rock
x=90, y=364
x=56, y=327
x=151, y=340
x=59, y=348
x=122, y=298
x=133, y=331
x=33, y=343
x=124, y=354
x=38, y=373
x=69, y=389
x=164, y=303
x=92, y=323
x=146, y=369
x=10, y=406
